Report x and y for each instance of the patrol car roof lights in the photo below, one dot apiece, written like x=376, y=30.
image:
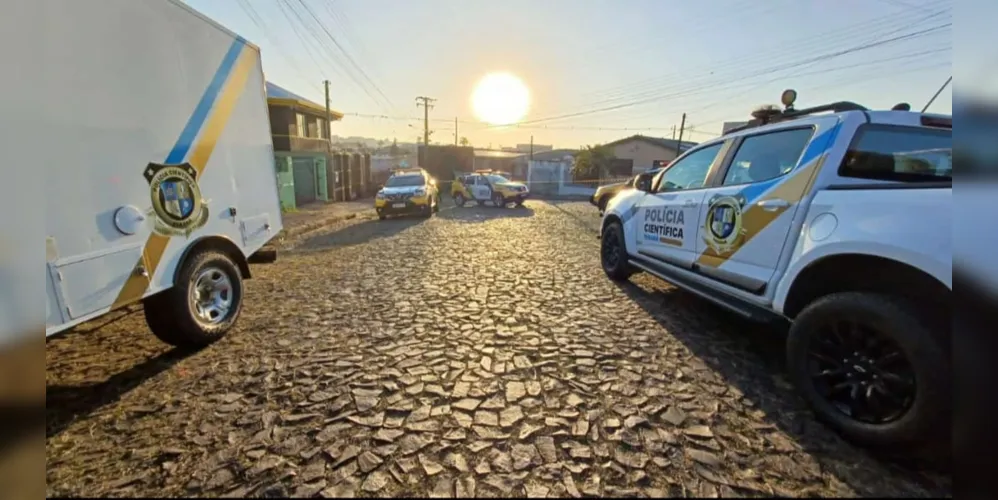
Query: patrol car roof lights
x=787, y=98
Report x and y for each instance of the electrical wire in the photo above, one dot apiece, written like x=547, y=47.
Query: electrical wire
x=778, y=52
x=735, y=71
x=347, y=55
x=822, y=57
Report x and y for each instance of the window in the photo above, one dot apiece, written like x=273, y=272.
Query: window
x=318, y=129
x=405, y=181
x=767, y=156
x=691, y=171
x=498, y=179
x=896, y=153
x=300, y=123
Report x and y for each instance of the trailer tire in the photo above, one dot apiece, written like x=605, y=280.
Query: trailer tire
x=173, y=316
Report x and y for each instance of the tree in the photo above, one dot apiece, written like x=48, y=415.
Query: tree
x=592, y=163
x=465, y=142
x=394, y=150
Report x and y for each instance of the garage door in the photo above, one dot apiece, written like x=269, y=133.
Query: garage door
x=304, y=171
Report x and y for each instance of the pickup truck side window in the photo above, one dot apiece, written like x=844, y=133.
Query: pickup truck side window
x=766, y=156
x=689, y=172
x=899, y=153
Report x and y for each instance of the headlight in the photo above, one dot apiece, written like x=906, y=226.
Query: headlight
x=380, y=195
x=420, y=192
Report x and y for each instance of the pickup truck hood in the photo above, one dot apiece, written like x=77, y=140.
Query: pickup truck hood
x=609, y=188
x=516, y=185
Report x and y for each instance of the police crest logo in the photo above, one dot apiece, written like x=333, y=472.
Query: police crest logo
x=176, y=199
x=724, y=223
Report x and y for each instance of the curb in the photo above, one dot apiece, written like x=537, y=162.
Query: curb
x=318, y=224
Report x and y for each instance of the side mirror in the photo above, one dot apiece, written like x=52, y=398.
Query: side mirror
x=643, y=183
x=381, y=186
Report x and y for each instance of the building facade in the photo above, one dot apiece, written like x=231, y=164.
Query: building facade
x=641, y=153
x=307, y=169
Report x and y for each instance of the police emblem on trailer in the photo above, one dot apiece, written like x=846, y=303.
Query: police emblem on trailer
x=723, y=225
x=176, y=199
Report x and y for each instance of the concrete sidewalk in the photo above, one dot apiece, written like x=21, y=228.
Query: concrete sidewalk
x=317, y=215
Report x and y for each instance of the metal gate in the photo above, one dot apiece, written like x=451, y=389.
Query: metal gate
x=304, y=171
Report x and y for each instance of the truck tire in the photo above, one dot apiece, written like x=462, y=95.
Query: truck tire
x=498, y=200
x=459, y=199
x=180, y=318
x=613, y=253
x=871, y=368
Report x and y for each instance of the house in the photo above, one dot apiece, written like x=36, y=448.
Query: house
x=306, y=169
x=521, y=163
x=501, y=161
x=638, y=153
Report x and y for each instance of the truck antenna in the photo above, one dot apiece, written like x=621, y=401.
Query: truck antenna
x=940, y=91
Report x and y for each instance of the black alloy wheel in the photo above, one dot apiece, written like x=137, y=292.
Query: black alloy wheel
x=861, y=371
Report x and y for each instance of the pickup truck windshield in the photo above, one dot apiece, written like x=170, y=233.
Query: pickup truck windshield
x=405, y=181
x=896, y=153
x=498, y=179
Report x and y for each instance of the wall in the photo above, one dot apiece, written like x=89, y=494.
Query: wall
x=643, y=154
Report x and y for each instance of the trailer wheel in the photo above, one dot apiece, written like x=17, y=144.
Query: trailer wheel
x=203, y=304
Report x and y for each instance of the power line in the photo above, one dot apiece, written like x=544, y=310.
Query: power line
x=346, y=54
x=781, y=52
x=253, y=16
x=758, y=85
x=764, y=71
x=654, y=88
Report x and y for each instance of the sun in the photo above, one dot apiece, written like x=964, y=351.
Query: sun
x=500, y=99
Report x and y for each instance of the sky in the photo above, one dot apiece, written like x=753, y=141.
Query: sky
x=600, y=70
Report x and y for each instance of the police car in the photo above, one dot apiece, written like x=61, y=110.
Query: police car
x=487, y=185
x=836, y=218
x=408, y=190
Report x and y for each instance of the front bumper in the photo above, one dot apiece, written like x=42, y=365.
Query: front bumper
x=592, y=199
x=411, y=205
x=517, y=197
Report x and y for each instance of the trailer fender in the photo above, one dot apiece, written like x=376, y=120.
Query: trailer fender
x=217, y=243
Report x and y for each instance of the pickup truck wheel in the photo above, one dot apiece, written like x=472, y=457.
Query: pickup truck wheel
x=871, y=369
x=498, y=200
x=459, y=199
x=203, y=304
x=613, y=253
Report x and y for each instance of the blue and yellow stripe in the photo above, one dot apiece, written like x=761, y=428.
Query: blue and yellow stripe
x=195, y=145
x=792, y=187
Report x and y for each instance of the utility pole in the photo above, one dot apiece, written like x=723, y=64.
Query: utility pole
x=328, y=114
x=531, y=148
x=329, y=136
x=426, y=103
x=673, y=132
x=682, y=125
x=455, y=131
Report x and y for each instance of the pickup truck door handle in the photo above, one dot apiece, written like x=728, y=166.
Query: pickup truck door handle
x=773, y=205
x=690, y=203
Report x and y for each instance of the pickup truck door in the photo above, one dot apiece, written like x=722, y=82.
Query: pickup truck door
x=746, y=218
x=667, y=218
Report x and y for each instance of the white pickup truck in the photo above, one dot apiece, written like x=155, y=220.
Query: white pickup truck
x=836, y=218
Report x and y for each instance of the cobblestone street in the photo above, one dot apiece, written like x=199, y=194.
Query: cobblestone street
x=480, y=352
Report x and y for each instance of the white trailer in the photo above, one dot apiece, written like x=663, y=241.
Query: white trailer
x=151, y=124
